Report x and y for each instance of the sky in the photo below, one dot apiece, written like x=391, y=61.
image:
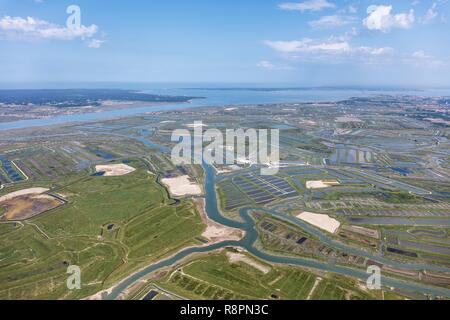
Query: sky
x=305, y=43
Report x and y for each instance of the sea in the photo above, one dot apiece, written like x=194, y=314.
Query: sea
x=212, y=95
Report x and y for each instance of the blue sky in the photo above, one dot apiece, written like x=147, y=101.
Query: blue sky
x=310, y=42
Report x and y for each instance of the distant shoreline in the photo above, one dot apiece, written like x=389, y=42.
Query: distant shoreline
x=218, y=98
x=21, y=113
x=29, y=104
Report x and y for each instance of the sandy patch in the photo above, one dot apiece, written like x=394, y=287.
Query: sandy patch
x=27, y=203
x=216, y=232
x=196, y=125
x=340, y=131
x=114, y=170
x=239, y=257
x=347, y=119
x=23, y=192
x=182, y=186
x=320, y=184
x=438, y=120
x=308, y=122
x=99, y=295
x=321, y=221
x=43, y=197
x=227, y=169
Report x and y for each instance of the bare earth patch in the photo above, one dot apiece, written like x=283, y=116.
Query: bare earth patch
x=347, y=119
x=182, y=186
x=196, y=125
x=114, y=170
x=216, y=232
x=320, y=184
x=363, y=231
x=23, y=193
x=25, y=204
x=239, y=257
x=321, y=221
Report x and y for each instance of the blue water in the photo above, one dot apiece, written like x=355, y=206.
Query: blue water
x=251, y=236
x=8, y=168
x=402, y=171
x=98, y=174
x=215, y=98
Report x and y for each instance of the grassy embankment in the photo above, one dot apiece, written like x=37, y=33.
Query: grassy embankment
x=34, y=254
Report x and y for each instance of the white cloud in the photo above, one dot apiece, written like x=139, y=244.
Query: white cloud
x=332, y=21
x=264, y=64
x=420, y=58
x=31, y=29
x=375, y=51
x=380, y=18
x=430, y=15
x=308, y=46
x=267, y=65
x=421, y=55
x=352, y=9
x=332, y=46
x=310, y=5
x=95, y=43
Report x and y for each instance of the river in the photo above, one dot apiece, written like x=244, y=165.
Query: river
x=247, y=243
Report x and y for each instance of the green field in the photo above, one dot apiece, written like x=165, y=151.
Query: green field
x=214, y=277
x=146, y=226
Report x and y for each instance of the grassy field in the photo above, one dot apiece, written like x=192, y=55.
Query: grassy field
x=214, y=277
x=110, y=227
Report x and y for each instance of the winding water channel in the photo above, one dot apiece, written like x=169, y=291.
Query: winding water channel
x=247, y=243
x=248, y=224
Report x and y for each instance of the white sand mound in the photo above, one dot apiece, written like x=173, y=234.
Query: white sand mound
x=347, y=119
x=182, y=186
x=114, y=170
x=23, y=192
x=321, y=221
x=239, y=257
x=320, y=184
x=214, y=231
x=217, y=233
x=196, y=125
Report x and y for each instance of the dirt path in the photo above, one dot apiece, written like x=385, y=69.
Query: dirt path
x=39, y=230
x=316, y=284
